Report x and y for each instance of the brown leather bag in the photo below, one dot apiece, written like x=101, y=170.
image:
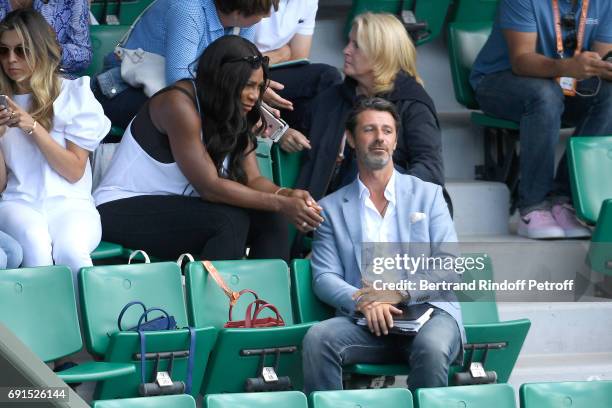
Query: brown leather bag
x=251, y=318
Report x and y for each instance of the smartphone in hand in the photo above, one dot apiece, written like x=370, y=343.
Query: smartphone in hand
x=275, y=127
x=3, y=102
x=608, y=57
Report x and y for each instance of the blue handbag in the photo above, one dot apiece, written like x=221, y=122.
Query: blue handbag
x=161, y=323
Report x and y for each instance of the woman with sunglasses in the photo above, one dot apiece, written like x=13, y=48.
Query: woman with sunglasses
x=48, y=127
x=70, y=21
x=185, y=178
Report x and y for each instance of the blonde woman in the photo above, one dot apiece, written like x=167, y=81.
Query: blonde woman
x=48, y=126
x=379, y=60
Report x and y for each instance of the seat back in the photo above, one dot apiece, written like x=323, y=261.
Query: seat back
x=431, y=11
x=589, y=161
x=105, y=290
x=282, y=399
x=286, y=166
x=372, y=398
x=465, y=40
x=129, y=12
x=478, y=306
x=474, y=10
x=104, y=38
x=264, y=159
x=579, y=394
x=600, y=250
x=38, y=305
x=208, y=305
x=306, y=305
x=174, y=401
x=471, y=396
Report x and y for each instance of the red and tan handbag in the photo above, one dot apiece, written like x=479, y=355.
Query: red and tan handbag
x=253, y=310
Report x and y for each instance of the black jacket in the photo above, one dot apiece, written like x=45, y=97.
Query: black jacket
x=419, y=147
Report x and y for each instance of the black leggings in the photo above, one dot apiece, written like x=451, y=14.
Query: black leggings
x=167, y=226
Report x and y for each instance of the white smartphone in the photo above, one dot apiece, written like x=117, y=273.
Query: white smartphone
x=276, y=127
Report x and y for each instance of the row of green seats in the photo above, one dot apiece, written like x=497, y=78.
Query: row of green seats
x=105, y=289
x=594, y=394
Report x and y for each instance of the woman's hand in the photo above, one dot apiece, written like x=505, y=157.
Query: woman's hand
x=302, y=210
x=14, y=116
x=293, y=141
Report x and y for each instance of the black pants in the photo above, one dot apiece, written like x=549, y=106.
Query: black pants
x=302, y=84
x=167, y=226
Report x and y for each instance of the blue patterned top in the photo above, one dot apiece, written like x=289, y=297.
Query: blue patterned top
x=70, y=20
x=180, y=30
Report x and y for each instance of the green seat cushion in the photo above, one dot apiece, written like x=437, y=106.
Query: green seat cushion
x=470, y=396
x=375, y=398
x=96, y=371
x=165, y=401
x=106, y=250
x=293, y=399
x=579, y=394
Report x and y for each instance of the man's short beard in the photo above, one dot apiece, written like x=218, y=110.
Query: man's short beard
x=373, y=161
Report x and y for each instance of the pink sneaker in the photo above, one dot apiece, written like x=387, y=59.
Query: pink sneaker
x=539, y=224
x=565, y=215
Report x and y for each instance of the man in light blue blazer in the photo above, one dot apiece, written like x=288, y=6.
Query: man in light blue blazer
x=380, y=206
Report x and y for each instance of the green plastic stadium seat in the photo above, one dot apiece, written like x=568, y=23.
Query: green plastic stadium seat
x=104, y=38
x=432, y=11
x=38, y=306
x=107, y=250
x=465, y=41
x=579, y=394
x=166, y=401
x=130, y=9
x=281, y=399
x=589, y=161
x=104, y=292
x=481, y=322
x=473, y=10
x=388, y=398
x=264, y=159
x=208, y=306
x=600, y=250
x=286, y=166
x=471, y=396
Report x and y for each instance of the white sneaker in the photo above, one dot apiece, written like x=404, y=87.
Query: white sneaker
x=539, y=224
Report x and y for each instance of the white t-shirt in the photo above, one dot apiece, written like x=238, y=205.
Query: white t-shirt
x=78, y=118
x=293, y=17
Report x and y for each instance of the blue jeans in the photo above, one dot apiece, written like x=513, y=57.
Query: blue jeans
x=10, y=252
x=540, y=107
x=336, y=342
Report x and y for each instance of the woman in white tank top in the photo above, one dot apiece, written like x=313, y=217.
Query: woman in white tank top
x=185, y=176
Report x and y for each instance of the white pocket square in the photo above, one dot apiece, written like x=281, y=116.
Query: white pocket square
x=416, y=217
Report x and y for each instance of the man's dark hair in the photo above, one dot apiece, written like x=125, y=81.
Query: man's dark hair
x=246, y=7
x=376, y=104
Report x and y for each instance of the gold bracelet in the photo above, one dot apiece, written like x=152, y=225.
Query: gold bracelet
x=32, y=130
x=279, y=190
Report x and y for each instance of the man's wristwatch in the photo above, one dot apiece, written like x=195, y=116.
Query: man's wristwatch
x=405, y=296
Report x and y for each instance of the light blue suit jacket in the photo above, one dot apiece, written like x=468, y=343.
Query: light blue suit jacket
x=337, y=245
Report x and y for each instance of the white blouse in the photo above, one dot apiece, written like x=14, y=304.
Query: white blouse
x=78, y=118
